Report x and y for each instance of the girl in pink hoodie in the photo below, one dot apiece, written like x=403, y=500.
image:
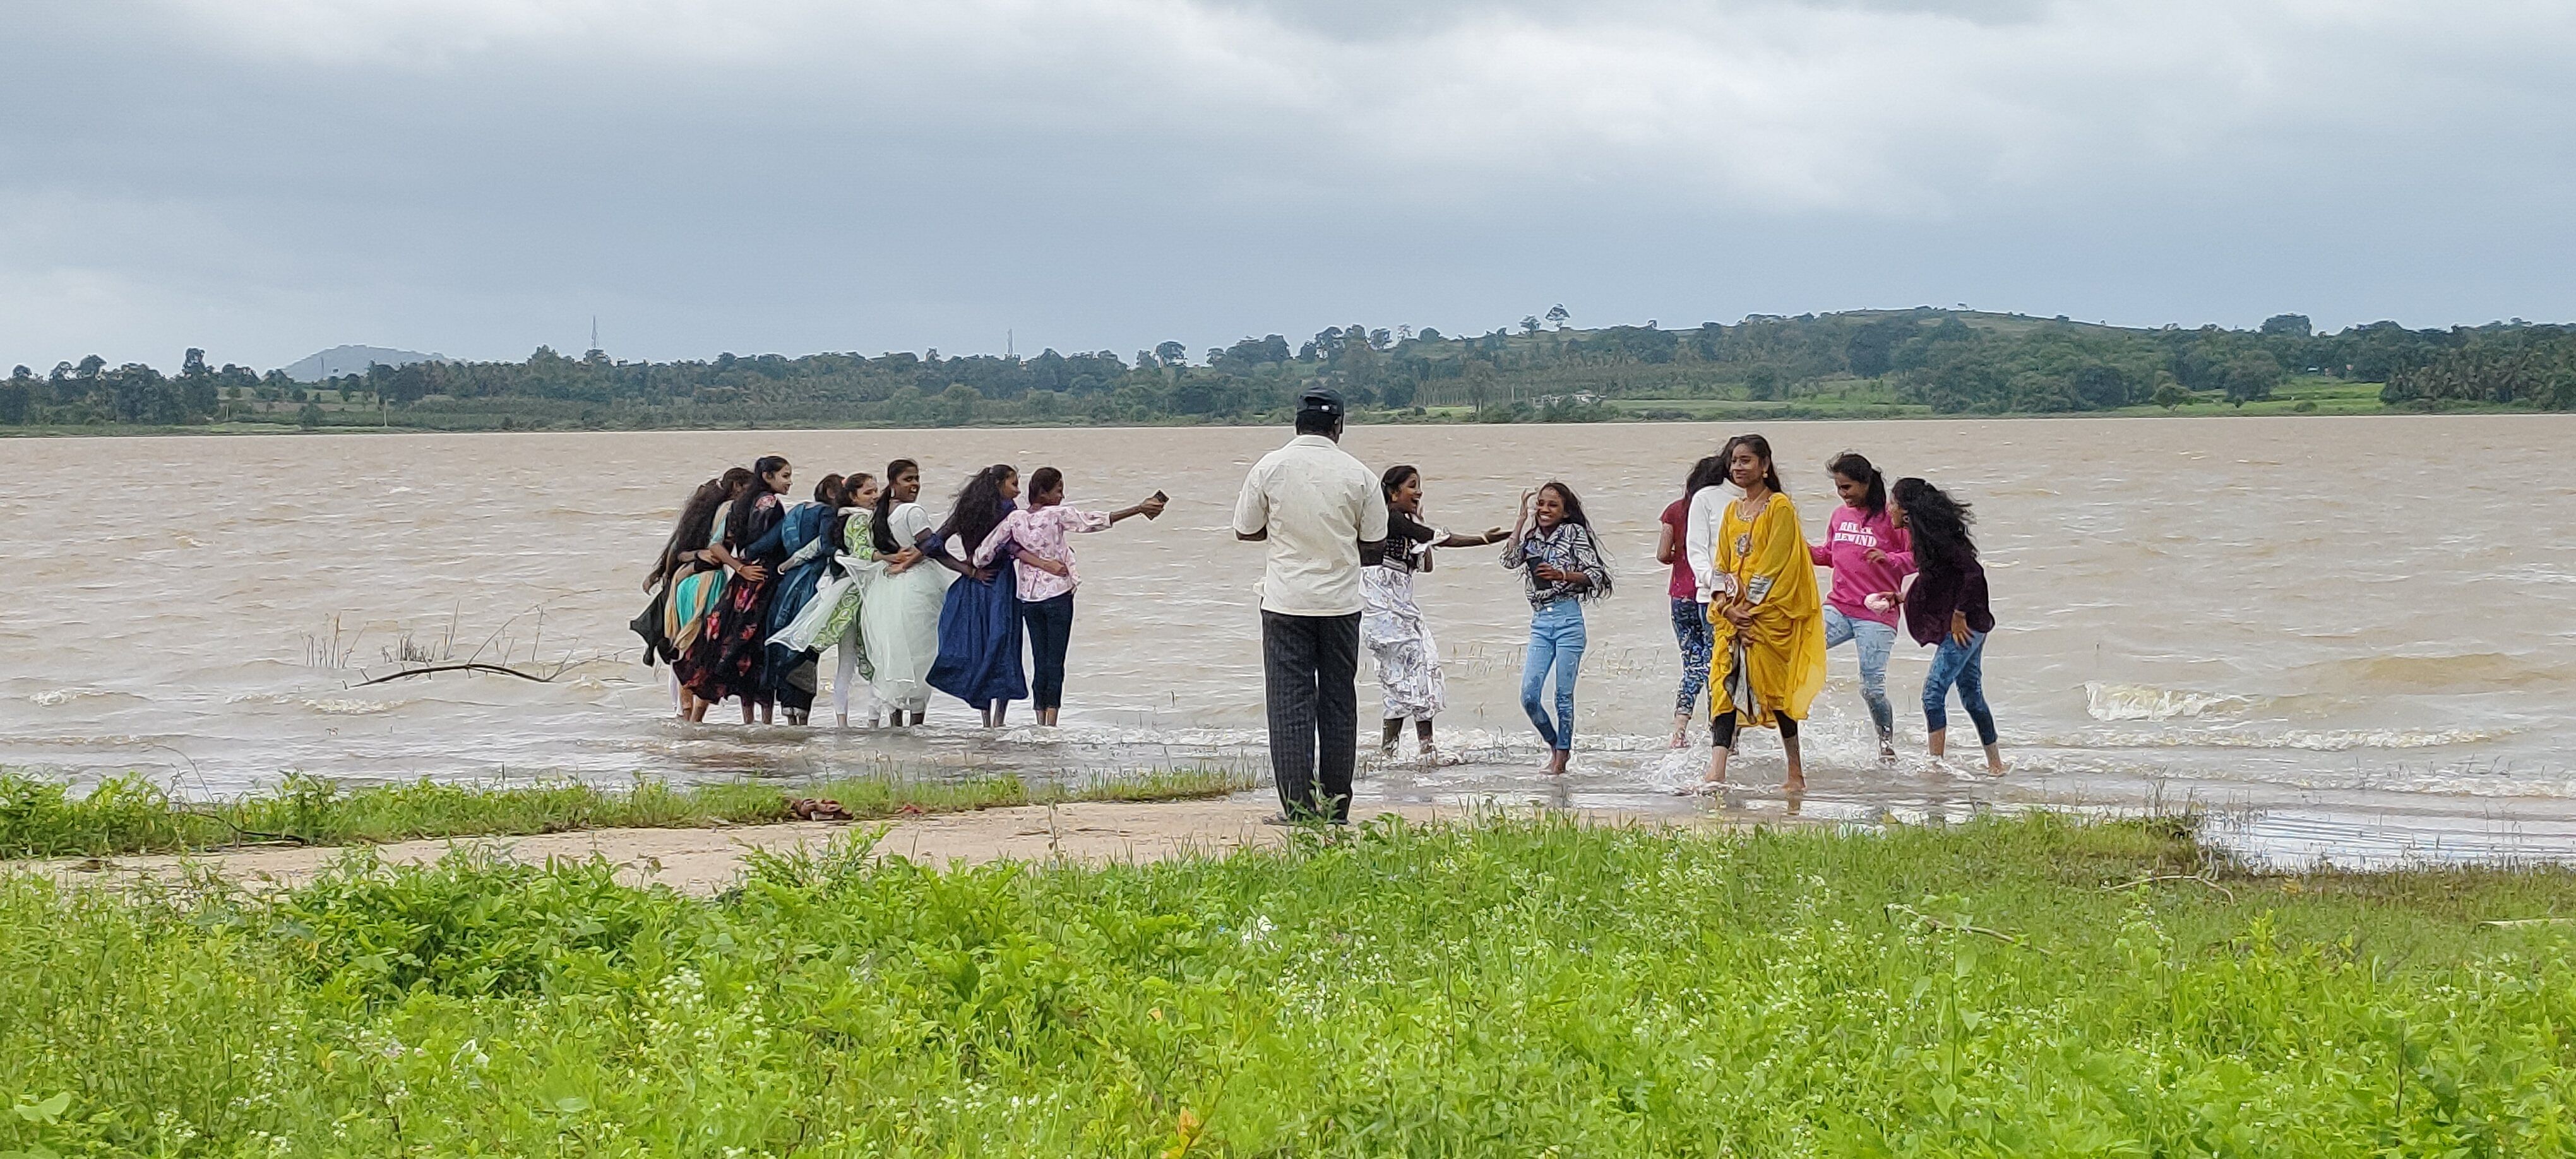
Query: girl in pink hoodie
x=1868, y=553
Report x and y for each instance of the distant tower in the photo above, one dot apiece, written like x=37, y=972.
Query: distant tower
x=594, y=354
x=1010, y=347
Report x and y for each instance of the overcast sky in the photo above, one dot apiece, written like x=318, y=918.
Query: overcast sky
x=265, y=178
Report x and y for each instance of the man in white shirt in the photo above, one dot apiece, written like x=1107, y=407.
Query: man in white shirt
x=1322, y=517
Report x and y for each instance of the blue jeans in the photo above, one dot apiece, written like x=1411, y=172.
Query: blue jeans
x=1875, y=641
x=1050, y=626
x=1962, y=665
x=1692, y=631
x=1556, y=641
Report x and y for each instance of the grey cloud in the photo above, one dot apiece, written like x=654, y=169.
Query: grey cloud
x=477, y=177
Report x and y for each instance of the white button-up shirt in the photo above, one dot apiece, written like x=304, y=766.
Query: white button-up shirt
x=1699, y=541
x=1318, y=504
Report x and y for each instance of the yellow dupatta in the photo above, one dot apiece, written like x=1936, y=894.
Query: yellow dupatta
x=1775, y=666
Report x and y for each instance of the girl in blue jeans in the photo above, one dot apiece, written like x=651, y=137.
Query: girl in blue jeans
x=1945, y=605
x=1553, y=548
x=1869, y=553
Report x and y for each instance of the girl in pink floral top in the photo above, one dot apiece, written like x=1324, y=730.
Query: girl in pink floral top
x=1047, y=574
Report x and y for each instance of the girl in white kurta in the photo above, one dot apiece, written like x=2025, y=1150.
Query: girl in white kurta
x=831, y=618
x=1391, y=624
x=899, y=619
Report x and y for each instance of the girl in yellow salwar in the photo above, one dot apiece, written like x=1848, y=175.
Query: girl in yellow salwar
x=1767, y=620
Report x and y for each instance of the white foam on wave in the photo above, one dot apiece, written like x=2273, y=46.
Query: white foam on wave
x=326, y=705
x=57, y=697
x=2310, y=740
x=2107, y=701
x=348, y=706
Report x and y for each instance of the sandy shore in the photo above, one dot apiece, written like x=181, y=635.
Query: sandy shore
x=704, y=861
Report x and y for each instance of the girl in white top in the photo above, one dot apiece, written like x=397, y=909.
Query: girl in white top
x=900, y=620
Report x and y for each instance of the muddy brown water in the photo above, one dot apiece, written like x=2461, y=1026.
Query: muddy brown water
x=2350, y=638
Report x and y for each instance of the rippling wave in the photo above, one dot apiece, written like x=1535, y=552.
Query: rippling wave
x=2108, y=702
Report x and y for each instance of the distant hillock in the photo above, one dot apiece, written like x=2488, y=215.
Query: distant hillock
x=340, y=360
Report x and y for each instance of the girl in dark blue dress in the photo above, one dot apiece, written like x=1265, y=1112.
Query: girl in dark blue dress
x=979, y=625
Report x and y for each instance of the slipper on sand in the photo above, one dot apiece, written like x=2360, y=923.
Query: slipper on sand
x=817, y=809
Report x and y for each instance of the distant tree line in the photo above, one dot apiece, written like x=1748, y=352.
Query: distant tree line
x=1953, y=362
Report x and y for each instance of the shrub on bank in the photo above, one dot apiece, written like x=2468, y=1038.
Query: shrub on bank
x=2007, y=987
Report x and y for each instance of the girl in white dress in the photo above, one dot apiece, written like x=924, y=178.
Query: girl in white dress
x=831, y=619
x=1391, y=624
x=899, y=619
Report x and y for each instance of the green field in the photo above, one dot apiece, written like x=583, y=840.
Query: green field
x=2306, y=394
x=2018, y=987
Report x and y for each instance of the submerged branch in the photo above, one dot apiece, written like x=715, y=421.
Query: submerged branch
x=501, y=669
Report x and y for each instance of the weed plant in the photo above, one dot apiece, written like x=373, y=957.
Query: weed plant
x=1517, y=988
x=41, y=818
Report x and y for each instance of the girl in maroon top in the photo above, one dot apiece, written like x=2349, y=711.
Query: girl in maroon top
x=1946, y=606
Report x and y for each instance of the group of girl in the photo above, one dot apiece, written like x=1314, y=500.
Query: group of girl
x=751, y=588
x=1895, y=550
x=1753, y=626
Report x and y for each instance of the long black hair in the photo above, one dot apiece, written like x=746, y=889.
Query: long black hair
x=689, y=534
x=1939, y=525
x=738, y=521
x=1704, y=474
x=1855, y=466
x=882, y=532
x=1574, y=515
x=978, y=510
x=1762, y=447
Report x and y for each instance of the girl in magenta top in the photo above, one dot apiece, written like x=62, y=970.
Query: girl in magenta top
x=1690, y=613
x=1869, y=554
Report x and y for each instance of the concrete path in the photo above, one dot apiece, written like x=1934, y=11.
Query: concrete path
x=704, y=861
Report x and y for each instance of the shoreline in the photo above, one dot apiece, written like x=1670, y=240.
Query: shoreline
x=133, y=816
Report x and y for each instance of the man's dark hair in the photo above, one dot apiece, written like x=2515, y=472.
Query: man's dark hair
x=1318, y=422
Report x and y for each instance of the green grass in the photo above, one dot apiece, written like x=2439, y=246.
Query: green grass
x=1522, y=988
x=41, y=818
x=2319, y=394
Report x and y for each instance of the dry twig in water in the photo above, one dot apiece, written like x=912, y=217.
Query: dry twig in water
x=467, y=667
